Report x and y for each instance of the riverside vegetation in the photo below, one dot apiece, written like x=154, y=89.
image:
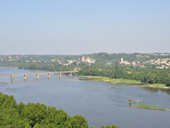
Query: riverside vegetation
x=37, y=116
x=111, y=80
x=129, y=75
x=156, y=86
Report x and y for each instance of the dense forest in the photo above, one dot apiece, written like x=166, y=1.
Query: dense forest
x=37, y=116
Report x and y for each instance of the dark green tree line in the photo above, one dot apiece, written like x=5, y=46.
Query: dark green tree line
x=146, y=75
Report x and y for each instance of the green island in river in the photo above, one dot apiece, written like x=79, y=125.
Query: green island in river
x=151, y=107
x=116, y=87
x=2, y=82
x=124, y=81
x=130, y=101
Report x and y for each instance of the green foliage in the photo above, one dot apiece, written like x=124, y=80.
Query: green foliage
x=35, y=116
x=114, y=126
x=145, y=75
x=78, y=122
x=168, y=81
x=108, y=126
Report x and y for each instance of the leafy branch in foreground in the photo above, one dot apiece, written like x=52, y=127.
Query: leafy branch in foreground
x=36, y=116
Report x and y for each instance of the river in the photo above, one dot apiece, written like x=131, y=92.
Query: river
x=96, y=101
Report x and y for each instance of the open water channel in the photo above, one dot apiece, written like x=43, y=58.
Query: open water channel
x=96, y=101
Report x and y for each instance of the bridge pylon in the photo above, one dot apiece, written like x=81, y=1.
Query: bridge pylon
x=25, y=77
x=37, y=76
x=60, y=75
x=70, y=74
x=11, y=77
x=48, y=75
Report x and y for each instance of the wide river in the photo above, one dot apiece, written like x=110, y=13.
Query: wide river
x=96, y=101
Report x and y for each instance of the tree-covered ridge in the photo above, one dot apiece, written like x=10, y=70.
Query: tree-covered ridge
x=65, y=62
x=37, y=116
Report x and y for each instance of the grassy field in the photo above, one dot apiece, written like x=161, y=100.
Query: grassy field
x=150, y=107
x=157, y=86
x=110, y=80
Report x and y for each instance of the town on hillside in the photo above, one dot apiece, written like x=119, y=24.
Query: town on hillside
x=161, y=61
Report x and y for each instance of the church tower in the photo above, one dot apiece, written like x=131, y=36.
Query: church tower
x=122, y=59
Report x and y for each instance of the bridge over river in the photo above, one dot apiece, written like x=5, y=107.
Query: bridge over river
x=37, y=74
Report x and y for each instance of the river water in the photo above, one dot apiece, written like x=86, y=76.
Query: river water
x=96, y=101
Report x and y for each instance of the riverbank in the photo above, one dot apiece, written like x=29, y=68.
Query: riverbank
x=124, y=81
x=110, y=80
x=162, y=86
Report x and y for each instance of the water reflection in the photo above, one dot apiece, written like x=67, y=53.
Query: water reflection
x=166, y=91
x=155, y=90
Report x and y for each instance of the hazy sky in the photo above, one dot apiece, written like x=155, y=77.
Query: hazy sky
x=84, y=26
